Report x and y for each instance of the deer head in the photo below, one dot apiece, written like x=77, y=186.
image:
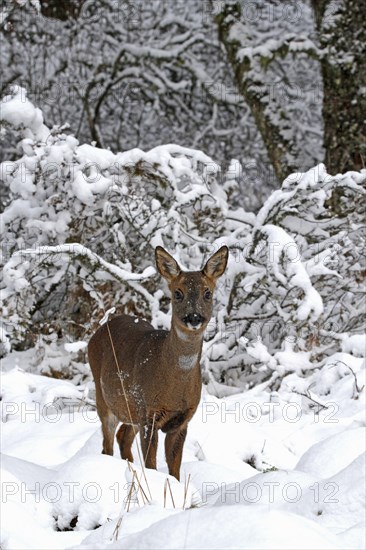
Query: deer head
x=192, y=291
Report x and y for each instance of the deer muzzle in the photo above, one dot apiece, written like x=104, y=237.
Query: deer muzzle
x=194, y=321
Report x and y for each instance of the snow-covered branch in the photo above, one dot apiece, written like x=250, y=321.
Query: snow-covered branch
x=272, y=48
x=296, y=269
x=80, y=252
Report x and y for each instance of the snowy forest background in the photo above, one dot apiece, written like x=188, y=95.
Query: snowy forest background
x=186, y=124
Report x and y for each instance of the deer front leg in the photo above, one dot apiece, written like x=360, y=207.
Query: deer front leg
x=125, y=436
x=149, y=442
x=174, y=442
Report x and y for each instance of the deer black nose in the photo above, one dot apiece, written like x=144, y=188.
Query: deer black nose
x=194, y=319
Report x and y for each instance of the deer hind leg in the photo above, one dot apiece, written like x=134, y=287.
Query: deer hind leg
x=109, y=424
x=174, y=442
x=125, y=436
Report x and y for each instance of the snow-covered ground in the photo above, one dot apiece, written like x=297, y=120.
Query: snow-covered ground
x=260, y=469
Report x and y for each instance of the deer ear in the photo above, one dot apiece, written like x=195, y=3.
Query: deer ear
x=166, y=264
x=216, y=265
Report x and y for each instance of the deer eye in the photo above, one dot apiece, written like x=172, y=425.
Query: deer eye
x=178, y=295
x=207, y=294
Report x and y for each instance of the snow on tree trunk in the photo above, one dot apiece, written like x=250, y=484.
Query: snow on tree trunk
x=250, y=63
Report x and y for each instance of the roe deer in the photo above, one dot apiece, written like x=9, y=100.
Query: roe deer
x=160, y=369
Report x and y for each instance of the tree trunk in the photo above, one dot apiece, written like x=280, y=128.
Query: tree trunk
x=342, y=36
x=275, y=131
x=61, y=9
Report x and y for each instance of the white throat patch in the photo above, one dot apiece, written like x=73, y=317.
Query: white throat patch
x=182, y=335
x=187, y=362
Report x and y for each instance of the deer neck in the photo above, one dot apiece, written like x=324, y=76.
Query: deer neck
x=185, y=349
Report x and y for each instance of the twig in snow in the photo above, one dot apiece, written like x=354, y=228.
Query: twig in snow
x=167, y=484
x=116, y=529
x=356, y=389
x=307, y=394
x=186, y=485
